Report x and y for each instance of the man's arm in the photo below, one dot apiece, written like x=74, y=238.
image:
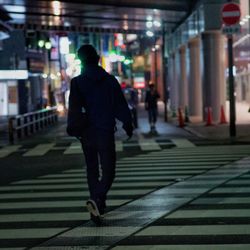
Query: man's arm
x=74, y=100
x=74, y=109
x=122, y=112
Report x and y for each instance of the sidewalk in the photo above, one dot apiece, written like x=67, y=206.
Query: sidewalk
x=3, y=130
x=222, y=131
x=197, y=128
x=165, y=130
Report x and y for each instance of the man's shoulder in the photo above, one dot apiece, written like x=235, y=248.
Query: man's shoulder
x=75, y=79
x=110, y=77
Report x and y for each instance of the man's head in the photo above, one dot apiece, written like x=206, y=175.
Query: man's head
x=88, y=55
x=151, y=85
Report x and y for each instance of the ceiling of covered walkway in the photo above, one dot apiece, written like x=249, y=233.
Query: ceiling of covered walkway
x=121, y=15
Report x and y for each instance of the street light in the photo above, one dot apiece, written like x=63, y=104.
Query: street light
x=48, y=45
x=150, y=33
x=41, y=43
x=157, y=23
x=149, y=24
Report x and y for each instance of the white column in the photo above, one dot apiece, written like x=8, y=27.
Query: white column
x=214, y=86
x=182, y=79
x=173, y=82
x=194, y=79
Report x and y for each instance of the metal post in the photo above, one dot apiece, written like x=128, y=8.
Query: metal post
x=155, y=62
x=11, y=130
x=165, y=96
x=231, y=85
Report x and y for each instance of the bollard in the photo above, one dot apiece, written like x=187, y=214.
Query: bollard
x=180, y=116
x=222, y=116
x=209, y=117
x=11, y=130
x=186, y=114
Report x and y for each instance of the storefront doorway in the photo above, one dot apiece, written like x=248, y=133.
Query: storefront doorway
x=3, y=99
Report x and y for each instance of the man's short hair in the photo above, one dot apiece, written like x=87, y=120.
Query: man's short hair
x=88, y=55
x=151, y=85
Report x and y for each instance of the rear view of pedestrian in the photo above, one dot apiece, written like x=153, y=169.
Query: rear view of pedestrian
x=151, y=106
x=131, y=97
x=95, y=101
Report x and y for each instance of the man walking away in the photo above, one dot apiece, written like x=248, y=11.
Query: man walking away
x=100, y=96
x=131, y=97
x=151, y=106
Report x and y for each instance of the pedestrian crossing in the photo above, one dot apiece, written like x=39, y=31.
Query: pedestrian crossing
x=34, y=210
x=75, y=148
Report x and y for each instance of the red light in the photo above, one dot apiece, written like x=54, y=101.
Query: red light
x=139, y=85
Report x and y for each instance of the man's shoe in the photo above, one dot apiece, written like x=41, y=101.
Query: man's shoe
x=94, y=212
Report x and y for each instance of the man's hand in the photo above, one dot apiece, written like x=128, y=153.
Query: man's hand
x=129, y=129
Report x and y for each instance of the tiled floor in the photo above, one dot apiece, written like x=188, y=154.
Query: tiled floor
x=158, y=199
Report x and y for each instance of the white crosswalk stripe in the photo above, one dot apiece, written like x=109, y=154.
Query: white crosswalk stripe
x=40, y=149
x=119, y=146
x=149, y=145
x=74, y=148
x=8, y=150
x=41, y=203
x=182, y=143
x=145, y=145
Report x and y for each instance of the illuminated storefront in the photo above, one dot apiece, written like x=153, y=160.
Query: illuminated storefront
x=242, y=56
x=10, y=91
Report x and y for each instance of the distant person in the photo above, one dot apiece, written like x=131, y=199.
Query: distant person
x=151, y=106
x=98, y=95
x=131, y=97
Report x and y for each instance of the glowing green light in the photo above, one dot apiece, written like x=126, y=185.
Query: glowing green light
x=122, y=58
x=77, y=61
x=72, y=56
x=112, y=52
x=41, y=43
x=48, y=45
x=127, y=62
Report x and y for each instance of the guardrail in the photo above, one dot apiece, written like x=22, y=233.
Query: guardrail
x=29, y=123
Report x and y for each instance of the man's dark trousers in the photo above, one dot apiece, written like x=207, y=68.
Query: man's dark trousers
x=99, y=150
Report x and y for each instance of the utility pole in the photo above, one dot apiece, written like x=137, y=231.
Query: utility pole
x=231, y=85
x=155, y=61
x=231, y=16
x=165, y=89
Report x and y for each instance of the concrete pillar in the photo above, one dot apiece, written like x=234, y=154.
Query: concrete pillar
x=177, y=79
x=172, y=83
x=214, y=87
x=182, y=80
x=194, y=79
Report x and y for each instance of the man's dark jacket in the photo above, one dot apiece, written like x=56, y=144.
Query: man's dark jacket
x=102, y=97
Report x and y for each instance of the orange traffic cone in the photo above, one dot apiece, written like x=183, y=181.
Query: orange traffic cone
x=209, y=117
x=180, y=117
x=222, y=115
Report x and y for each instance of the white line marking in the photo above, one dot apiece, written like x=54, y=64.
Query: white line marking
x=74, y=148
x=183, y=143
x=40, y=149
x=118, y=146
x=8, y=150
x=148, y=145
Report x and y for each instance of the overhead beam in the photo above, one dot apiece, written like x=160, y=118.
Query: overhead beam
x=77, y=29
x=115, y=19
x=174, y=5
x=192, y=5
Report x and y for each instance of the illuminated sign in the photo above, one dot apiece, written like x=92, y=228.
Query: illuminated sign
x=139, y=82
x=14, y=74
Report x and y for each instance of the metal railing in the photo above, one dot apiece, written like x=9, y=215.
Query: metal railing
x=29, y=123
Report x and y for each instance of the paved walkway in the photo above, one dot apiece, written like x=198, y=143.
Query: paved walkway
x=221, y=132
x=169, y=193
x=194, y=129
